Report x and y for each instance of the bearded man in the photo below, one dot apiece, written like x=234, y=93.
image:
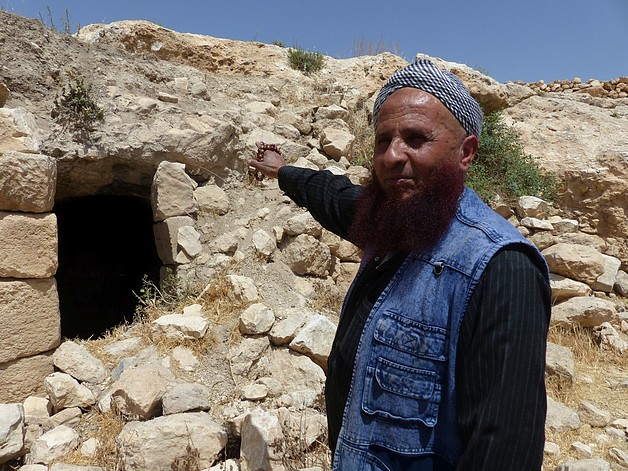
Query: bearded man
x=439, y=357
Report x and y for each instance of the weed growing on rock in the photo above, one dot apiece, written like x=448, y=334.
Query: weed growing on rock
x=368, y=47
x=361, y=150
x=307, y=62
x=501, y=166
x=65, y=21
x=75, y=108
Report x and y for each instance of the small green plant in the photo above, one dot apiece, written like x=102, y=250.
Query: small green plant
x=278, y=43
x=307, y=62
x=501, y=166
x=75, y=109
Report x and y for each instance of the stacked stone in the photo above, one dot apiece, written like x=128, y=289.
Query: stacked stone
x=29, y=305
x=616, y=88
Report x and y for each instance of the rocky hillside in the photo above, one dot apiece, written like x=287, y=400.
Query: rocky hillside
x=225, y=369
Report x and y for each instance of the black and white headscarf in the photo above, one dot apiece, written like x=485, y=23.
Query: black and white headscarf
x=444, y=85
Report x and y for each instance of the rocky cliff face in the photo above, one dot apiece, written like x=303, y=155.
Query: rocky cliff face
x=241, y=366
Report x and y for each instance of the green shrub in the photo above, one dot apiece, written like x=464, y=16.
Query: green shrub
x=75, y=109
x=501, y=166
x=306, y=61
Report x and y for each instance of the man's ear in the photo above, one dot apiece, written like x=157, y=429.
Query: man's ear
x=469, y=149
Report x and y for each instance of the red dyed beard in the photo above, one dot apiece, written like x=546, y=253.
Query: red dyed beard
x=414, y=224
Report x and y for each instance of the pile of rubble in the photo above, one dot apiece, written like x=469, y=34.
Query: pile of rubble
x=616, y=88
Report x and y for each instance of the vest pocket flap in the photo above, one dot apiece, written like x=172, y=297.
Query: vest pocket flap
x=403, y=380
x=412, y=337
x=400, y=393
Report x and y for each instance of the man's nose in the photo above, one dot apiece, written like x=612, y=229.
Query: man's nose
x=394, y=154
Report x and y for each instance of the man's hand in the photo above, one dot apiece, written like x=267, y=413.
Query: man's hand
x=270, y=162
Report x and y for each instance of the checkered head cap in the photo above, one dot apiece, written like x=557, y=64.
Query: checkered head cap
x=444, y=85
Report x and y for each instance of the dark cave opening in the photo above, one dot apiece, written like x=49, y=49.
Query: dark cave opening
x=106, y=247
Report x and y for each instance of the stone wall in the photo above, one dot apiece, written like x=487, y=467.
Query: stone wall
x=29, y=304
x=616, y=88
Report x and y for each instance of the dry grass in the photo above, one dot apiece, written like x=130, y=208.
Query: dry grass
x=361, y=150
x=368, y=47
x=104, y=427
x=298, y=454
x=606, y=369
x=327, y=299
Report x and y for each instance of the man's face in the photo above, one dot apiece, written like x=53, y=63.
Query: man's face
x=415, y=134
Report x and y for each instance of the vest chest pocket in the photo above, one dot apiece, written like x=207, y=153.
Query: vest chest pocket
x=403, y=379
x=401, y=393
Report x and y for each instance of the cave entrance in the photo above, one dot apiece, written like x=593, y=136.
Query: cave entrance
x=106, y=247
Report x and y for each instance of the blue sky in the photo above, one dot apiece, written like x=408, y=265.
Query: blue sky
x=525, y=40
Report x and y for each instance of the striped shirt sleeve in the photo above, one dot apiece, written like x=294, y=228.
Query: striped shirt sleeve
x=501, y=366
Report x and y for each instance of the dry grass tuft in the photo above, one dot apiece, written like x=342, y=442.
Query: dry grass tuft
x=219, y=302
x=104, y=427
x=361, y=150
x=327, y=298
x=297, y=454
x=598, y=373
x=368, y=47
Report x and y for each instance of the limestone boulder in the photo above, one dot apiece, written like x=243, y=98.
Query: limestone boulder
x=30, y=319
x=261, y=438
x=592, y=464
x=298, y=375
x=177, y=326
x=560, y=417
x=578, y=262
x=77, y=361
x=564, y=288
x=54, y=444
x=303, y=223
x=336, y=142
x=315, y=339
x=172, y=192
x=11, y=431
x=27, y=182
x=606, y=281
x=621, y=283
x=69, y=417
x=189, y=240
x=24, y=377
x=286, y=329
x=246, y=355
x=138, y=392
x=593, y=415
x=212, y=199
x=65, y=392
x=167, y=237
x=263, y=243
x=584, y=311
x=305, y=255
x=164, y=441
x=560, y=363
x=256, y=319
x=531, y=206
x=243, y=288
x=29, y=245
x=19, y=131
x=186, y=397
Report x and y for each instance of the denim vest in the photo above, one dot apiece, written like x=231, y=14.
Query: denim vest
x=402, y=396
